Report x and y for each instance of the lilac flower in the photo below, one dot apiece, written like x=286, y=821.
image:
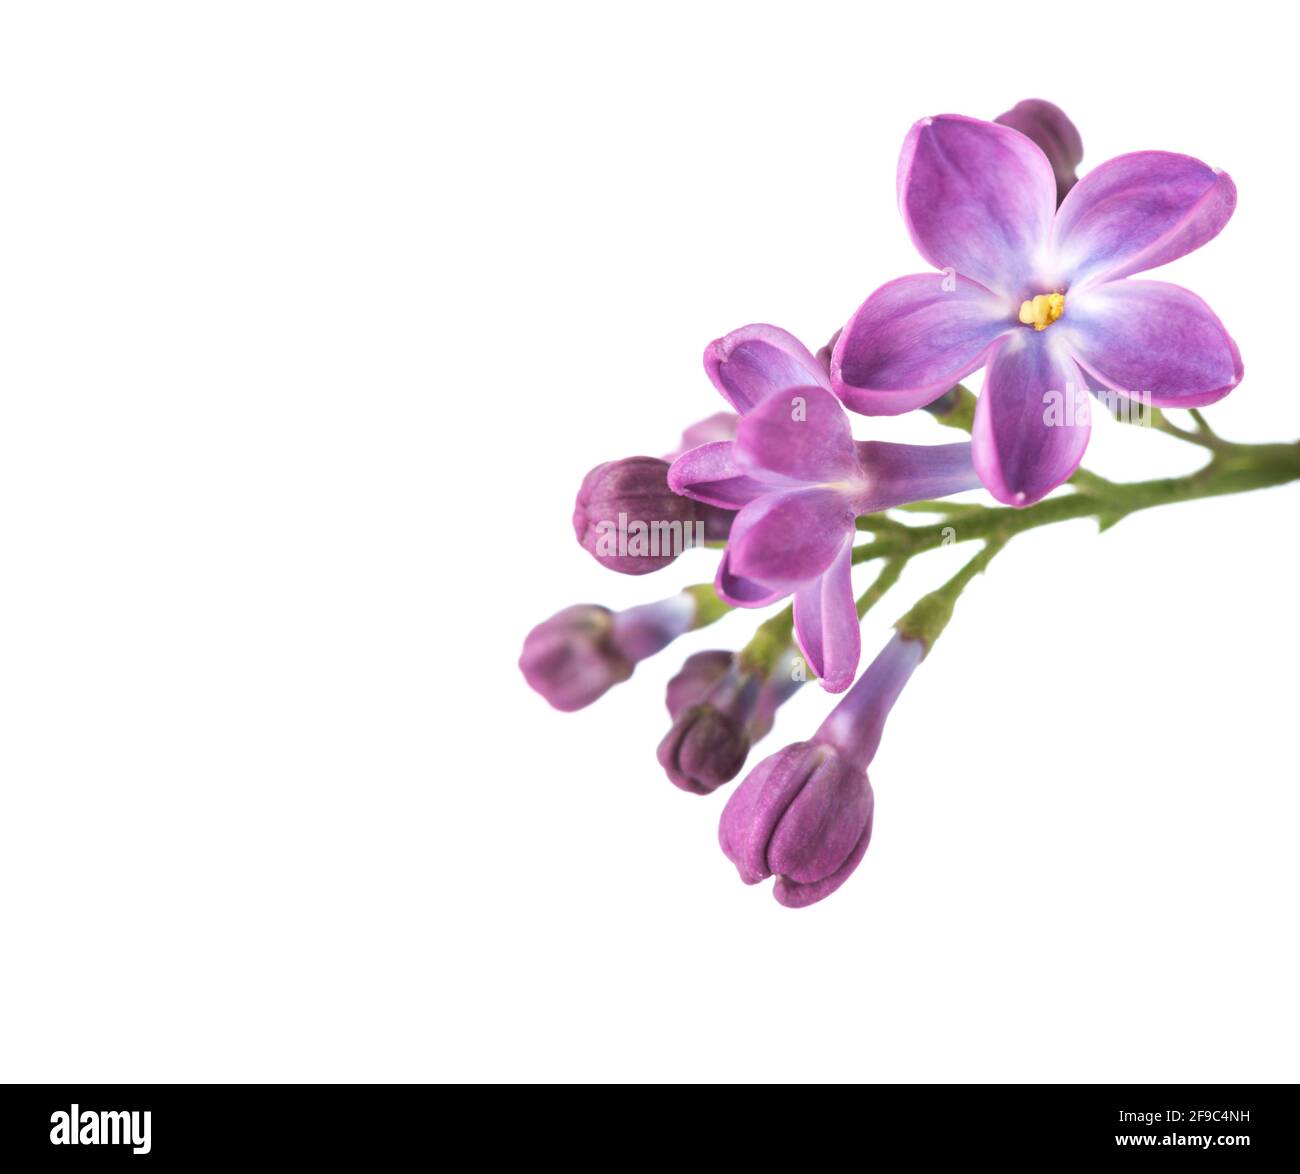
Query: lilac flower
x=799, y=481
x=1038, y=297
x=720, y=708
x=581, y=652
x=1053, y=133
x=804, y=814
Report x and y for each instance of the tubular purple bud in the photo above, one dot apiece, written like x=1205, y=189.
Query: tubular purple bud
x=1053, y=133
x=700, y=672
x=719, y=711
x=578, y=654
x=854, y=726
x=571, y=660
x=628, y=519
x=705, y=748
x=804, y=814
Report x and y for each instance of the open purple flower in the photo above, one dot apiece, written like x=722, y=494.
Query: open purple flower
x=804, y=814
x=799, y=481
x=1038, y=297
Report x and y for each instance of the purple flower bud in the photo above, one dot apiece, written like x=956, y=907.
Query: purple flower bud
x=696, y=677
x=579, y=653
x=571, y=660
x=628, y=519
x=719, y=710
x=705, y=748
x=1053, y=133
x=804, y=814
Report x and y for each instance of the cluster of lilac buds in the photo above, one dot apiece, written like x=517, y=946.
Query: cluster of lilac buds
x=1031, y=282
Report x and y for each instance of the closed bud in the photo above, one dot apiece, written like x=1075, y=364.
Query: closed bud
x=802, y=815
x=573, y=658
x=700, y=672
x=1054, y=134
x=719, y=709
x=628, y=519
x=705, y=748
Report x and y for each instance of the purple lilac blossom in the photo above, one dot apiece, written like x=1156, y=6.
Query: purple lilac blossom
x=799, y=481
x=1039, y=297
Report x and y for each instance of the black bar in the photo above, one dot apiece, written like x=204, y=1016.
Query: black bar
x=360, y=1125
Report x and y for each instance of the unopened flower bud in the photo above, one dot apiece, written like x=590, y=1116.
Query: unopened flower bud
x=581, y=652
x=705, y=748
x=628, y=519
x=1053, y=133
x=700, y=672
x=804, y=814
x=720, y=709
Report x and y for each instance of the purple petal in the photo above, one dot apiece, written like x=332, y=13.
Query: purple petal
x=749, y=364
x=794, y=895
x=822, y=824
x=1054, y=134
x=978, y=198
x=742, y=592
x=785, y=539
x=1154, y=341
x=824, y=355
x=826, y=623
x=710, y=474
x=799, y=436
x=912, y=339
x=1136, y=212
x=1031, y=420
x=897, y=474
x=756, y=806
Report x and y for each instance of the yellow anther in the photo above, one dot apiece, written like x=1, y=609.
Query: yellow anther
x=1041, y=311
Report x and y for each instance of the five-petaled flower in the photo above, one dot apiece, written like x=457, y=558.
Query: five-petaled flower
x=1036, y=295
x=799, y=481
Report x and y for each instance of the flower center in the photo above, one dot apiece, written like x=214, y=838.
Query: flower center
x=1041, y=311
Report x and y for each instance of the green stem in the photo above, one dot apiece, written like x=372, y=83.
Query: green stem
x=1234, y=468
x=931, y=613
x=888, y=576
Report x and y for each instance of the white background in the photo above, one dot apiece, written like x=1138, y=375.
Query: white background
x=313, y=317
